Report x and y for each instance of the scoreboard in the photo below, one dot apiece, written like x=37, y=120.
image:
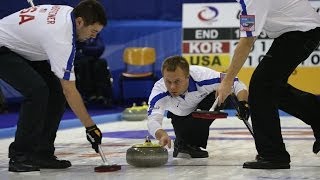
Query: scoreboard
x=211, y=33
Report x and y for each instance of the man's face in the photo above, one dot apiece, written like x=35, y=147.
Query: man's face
x=176, y=82
x=87, y=32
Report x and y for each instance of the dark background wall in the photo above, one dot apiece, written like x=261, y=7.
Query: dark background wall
x=120, y=9
x=132, y=23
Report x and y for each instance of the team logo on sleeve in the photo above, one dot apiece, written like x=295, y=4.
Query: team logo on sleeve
x=151, y=108
x=247, y=22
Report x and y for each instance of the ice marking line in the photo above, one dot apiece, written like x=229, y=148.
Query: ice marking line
x=223, y=134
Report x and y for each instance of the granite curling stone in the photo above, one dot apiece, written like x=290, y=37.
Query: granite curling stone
x=135, y=113
x=147, y=155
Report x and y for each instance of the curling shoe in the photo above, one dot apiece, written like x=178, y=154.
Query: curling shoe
x=261, y=163
x=22, y=164
x=193, y=151
x=51, y=163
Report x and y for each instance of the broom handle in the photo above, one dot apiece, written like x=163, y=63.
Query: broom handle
x=31, y=3
x=234, y=102
x=214, y=104
x=103, y=157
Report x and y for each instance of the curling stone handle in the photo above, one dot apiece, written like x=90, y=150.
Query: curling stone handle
x=148, y=139
x=103, y=157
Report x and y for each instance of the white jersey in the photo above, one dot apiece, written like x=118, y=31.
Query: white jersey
x=46, y=32
x=276, y=17
x=202, y=82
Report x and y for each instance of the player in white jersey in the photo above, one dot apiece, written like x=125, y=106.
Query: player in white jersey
x=295, y=27
x=37, y=49
x=181, y=91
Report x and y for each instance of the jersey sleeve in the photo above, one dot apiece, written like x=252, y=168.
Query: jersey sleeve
x=61, y=58
x=253, y=17
x=154, y=124
x=156, y=109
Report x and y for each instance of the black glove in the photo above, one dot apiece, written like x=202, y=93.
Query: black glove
x=243, y=110
x=94, y=136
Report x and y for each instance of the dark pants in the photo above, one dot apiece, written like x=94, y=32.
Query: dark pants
x=191, y=130
x=270, y=91
x=42, y=107
x=3, y=103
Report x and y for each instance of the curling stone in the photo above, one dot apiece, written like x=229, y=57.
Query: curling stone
x=135, y=113
x=147, y=155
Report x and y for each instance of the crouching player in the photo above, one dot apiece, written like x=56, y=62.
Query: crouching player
x=180, y=91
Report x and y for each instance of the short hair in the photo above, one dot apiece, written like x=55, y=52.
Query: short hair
x=92, y=11
x=173, y=62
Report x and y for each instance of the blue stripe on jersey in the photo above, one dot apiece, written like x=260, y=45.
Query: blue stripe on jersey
x=68, y=69
x=192, y=85
x=244, y=12
x=155, y=100
x=209, y=81
x=212, y=81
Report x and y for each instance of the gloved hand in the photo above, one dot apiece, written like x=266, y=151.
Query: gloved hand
x=94, y=136
x=244, y=110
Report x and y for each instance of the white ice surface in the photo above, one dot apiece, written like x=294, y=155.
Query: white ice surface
x=230, y=145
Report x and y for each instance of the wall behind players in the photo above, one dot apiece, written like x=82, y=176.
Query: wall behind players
x=154, y=23
x=119, y=9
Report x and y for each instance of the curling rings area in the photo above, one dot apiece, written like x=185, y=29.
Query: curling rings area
x=147, y=155
x=135, y=113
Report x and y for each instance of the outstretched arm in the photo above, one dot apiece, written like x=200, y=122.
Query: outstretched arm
x=240, y=55
x=156, y=130
x=73, y=97
x=75, y=101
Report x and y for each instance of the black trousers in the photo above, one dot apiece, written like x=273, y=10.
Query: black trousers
x=42, y=107
x=3, y=102
x=270, y=91
x=191, y=130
